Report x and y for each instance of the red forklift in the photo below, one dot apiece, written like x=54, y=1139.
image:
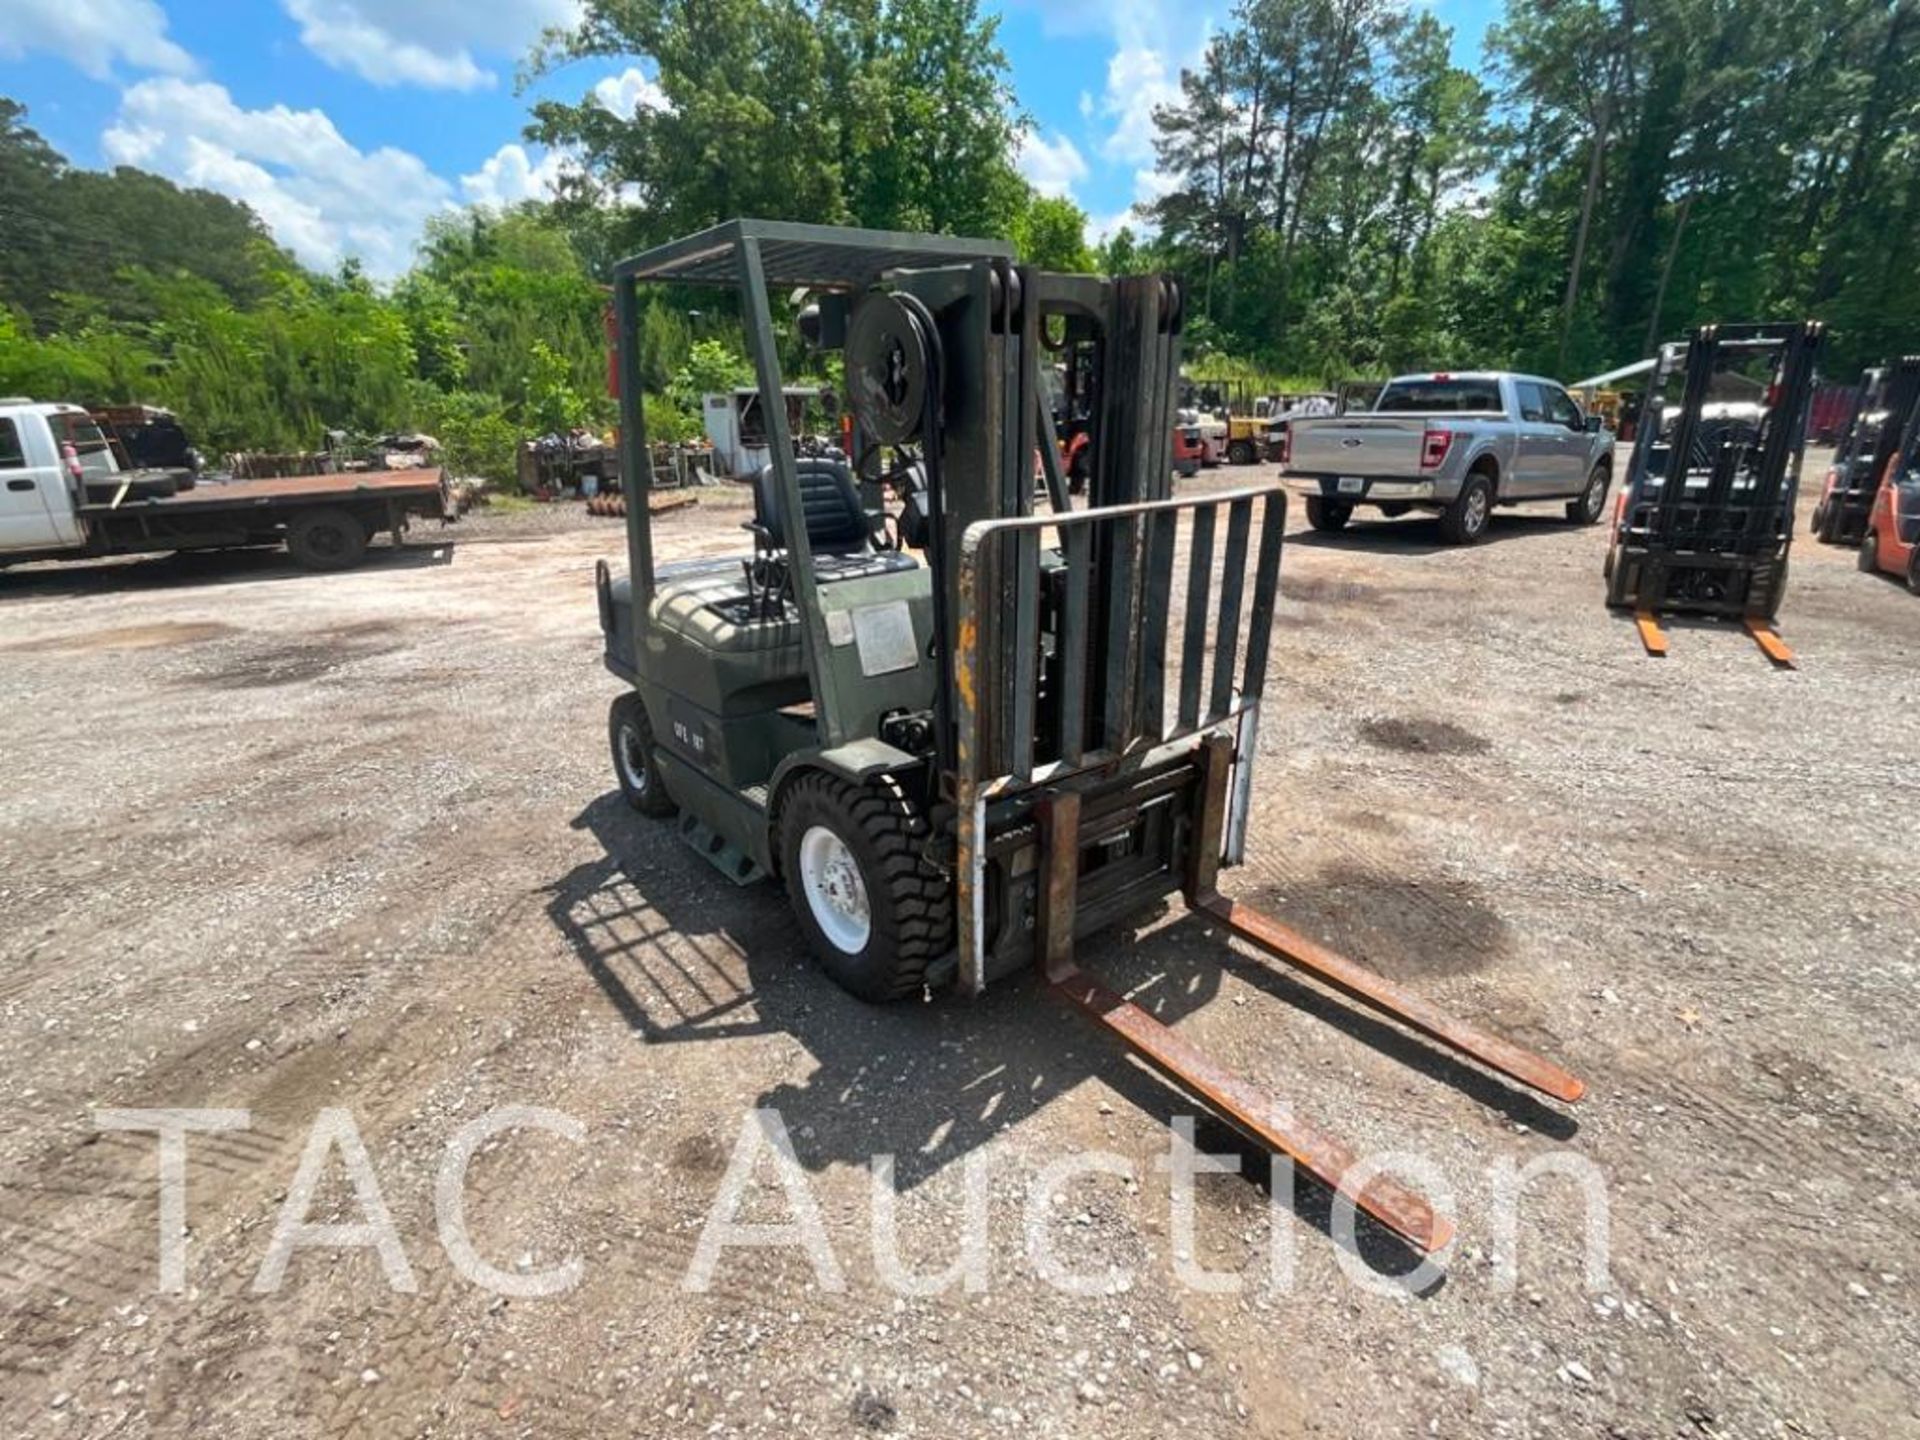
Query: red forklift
x=1890, y=539
x=1884, y=403
x=1076, y=403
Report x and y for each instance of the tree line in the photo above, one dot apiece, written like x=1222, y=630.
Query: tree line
x=1341, y=197
x=1347, y=199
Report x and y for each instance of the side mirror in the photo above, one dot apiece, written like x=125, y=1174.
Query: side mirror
x=1591, y=425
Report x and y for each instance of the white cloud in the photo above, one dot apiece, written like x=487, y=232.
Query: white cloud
x=1150, y=185
x=630, y=92
x=93, y=35
x=1053, y=167
x=1100, y=228
x=323, y=198
x=1140, y=78
x=510, y=175
x=430, y=43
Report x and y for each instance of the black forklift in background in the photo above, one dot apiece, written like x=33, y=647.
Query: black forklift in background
x=1705, y=519
x=968, y=731
x=1882, y=407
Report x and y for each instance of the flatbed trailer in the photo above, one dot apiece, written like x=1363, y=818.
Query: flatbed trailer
x=315, y=516
x=64, y=497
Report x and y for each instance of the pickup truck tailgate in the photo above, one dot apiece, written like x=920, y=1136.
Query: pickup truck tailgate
x=1374, y=446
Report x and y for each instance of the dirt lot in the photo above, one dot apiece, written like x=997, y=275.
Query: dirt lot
x=281, y=843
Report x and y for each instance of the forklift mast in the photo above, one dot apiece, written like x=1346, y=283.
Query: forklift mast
x=1706, y=515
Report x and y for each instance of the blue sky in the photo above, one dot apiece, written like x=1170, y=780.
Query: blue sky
x=346, y=123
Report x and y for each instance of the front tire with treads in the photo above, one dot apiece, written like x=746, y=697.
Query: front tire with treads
x=875, y=915
x=1592, y=501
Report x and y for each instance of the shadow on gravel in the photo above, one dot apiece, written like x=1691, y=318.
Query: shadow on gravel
x=1420, y=534
x=684, y=956
x=202, y=567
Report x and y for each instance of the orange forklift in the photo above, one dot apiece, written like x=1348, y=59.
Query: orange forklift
x=1890, y=543
x=1886, y=400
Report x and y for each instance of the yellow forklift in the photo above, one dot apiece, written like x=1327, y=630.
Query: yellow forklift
x=1231, y=402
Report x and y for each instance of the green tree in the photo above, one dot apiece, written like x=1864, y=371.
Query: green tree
x=744, y=131
x=894, y=114
x=1052, y=234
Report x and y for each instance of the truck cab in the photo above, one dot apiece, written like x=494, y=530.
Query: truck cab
x=48, y=452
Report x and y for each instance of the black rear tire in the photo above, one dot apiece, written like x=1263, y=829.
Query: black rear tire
x=1913, y=570
x=1328, y=515
x=1592, y=501
x=909, y=905
x=1466, y=520
x=634, y=764
x=327, y=538
x=1867, y=557
x=1241, y=452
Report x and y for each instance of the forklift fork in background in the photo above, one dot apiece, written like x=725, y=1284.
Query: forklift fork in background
x=1764, y=635
x=1768, y=639
x=1651, y=635
x=1249, y=1109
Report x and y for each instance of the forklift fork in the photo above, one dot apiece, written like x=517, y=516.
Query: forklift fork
x=1768, y=639
x=1654, y=637
x=1248, y=1108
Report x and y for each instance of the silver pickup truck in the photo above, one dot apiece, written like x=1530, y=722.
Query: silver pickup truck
x=1457, y=444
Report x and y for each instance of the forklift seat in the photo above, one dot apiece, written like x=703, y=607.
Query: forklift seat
x=839, y=528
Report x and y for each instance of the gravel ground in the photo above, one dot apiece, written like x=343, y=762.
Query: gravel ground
x=288, y=844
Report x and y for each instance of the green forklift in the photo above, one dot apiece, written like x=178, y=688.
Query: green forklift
x=967, y=725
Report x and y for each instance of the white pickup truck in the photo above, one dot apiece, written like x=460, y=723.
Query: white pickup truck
x=63, y=496
x=1456, y=444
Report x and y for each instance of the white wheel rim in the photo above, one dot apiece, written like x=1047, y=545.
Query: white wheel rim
x=632, y=764
x=836, y=893
x=1476, y=511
